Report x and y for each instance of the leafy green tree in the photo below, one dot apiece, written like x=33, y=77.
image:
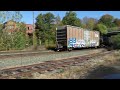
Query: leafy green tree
x=1, y=27
x=71, y=19
x=11, y=41
x=21, y=27
x=4, y=16
x=2, y=47
x=107, y=20
x=10, y=15
x=58, y=21
x=44, y=26
x=17, y=16
x=113, y=29
x=102, y=28
x=117, y=22
x=115, y=41
x=5, y=41
x=35, y=40
x=19, y=40
x=89, y=23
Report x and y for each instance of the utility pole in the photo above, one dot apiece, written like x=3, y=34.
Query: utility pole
x=34, y=36
x=33, y=28
x=33, y=22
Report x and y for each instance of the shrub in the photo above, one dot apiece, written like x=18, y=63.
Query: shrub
x=115, y=41
x=19, y=40
x=102, y=28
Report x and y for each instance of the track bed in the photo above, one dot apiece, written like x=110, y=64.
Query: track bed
x=47, y=66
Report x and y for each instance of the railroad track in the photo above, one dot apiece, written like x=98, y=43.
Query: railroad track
x=23, y=54
x=30, y=59
x=47, y=66
x=35, y=53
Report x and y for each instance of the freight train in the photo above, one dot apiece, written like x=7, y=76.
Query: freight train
x=70, y=37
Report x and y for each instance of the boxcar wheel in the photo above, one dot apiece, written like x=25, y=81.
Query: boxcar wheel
x=70, y=49
x=58, y=50
x=96, y=47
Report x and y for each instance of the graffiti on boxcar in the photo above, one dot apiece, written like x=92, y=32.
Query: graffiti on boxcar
x=72, y=42
x=81, y=43
x=93, y=43
x=87, y=38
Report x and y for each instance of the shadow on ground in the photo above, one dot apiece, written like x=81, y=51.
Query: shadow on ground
x=103, y=71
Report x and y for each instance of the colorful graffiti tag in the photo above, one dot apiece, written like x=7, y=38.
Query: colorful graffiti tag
x=72, y=42
x=85, y=42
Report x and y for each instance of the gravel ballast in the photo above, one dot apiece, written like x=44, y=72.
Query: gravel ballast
x=22, y=61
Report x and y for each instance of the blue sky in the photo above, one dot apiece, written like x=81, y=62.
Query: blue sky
x=28, y=18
